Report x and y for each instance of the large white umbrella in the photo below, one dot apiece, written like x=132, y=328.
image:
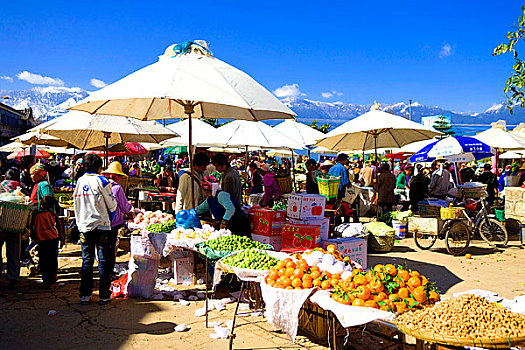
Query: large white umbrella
x=500, y=139
x=376, y=129
x=87, y=131
x=509, y=154
x=203, y=134
x=299, y=132
x=322, y=149
x=256, y=134
x=281, y=153
x=13, y=147
x=36, y=137
x=187, y=80
x=416, y=146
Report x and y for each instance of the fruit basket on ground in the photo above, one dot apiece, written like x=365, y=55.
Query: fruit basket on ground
x=388, y=288
x=467, y=320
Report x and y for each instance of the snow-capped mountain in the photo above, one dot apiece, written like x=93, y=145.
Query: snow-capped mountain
x=46, y=102
x=49, y=102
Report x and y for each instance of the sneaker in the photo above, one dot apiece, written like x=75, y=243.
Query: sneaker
x=85, y=300
x=104, y=301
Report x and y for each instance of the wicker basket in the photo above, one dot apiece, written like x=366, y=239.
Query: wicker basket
x=381, y=244
x=472, y=192
x=285, y=184
x=451, y=213
x=329, y=187
x=14, y=216
x=491, y=343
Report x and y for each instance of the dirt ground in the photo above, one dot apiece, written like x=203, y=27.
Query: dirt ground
x=144, y=324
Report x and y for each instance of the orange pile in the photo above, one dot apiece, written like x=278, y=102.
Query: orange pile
x=290, y=275
x=388, y=288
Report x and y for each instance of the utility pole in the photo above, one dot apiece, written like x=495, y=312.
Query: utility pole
x=410, y=109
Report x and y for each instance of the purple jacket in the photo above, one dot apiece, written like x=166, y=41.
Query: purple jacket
x=271, y=188
x=123, y=206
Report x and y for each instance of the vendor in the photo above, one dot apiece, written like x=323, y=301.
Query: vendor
x=168, y=181
x=115, y=173
x=223, y=208
x=271, y=186
x=135, y=170
x=311, y=177
x=42, y=187
x=256, y=179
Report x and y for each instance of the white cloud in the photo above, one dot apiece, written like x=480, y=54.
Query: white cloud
x=446, y=50
x=291, y=90
x=38, y=79
x=97, y=83
x=5, y=77
x=331, y=94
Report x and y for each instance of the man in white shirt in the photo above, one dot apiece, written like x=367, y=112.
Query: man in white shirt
x=183, y=200
x=94, y=208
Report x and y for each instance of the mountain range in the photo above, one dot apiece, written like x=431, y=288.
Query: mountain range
x=50, y=102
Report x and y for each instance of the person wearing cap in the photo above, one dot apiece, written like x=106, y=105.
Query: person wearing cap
x=502, y=181
x=223, y=208
x=325, y=166
x=271, y=186
x=114, y=173
x=94, y=207
x=490, y=179
x=339, y=170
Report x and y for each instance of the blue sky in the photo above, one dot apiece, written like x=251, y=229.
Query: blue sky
x=436, y=53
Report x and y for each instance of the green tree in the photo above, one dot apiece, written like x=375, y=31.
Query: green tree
x=212, y=121
x=442, y=124
x=322, y=128
x=515, y=85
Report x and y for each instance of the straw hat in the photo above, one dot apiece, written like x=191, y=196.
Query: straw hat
x=114, y=168
x=522, y=166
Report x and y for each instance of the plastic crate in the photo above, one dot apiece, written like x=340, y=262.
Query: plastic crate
x=500, y=214
x=428, y=210
x=451, y=213
x=328, y=187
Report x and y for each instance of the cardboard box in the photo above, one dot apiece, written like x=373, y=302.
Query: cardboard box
x=268, y=222
x=297, y=236
x=424, y=224
x=305, y=206
x=183, y=267
x=324, y=224
x=274, y=241
x=355, y=248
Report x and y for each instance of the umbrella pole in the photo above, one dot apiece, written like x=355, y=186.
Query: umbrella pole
x=375, y=147
x=188, y=109
x=293, y=171
x=106, y=136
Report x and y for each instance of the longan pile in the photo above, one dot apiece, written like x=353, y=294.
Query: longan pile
x=465, y=316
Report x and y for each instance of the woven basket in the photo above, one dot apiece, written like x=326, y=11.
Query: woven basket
x=285, y=184
x=491, y=343
x=328, y=188
x=14, y=216
x=381, y=244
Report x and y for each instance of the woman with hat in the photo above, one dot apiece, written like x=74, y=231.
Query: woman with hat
x=42, y=186
x=223, y=208
x=271, y=186
x=115, y=174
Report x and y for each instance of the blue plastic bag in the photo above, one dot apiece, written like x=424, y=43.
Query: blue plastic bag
x=187, y=219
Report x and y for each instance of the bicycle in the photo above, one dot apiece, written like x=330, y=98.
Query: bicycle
x=458, y=232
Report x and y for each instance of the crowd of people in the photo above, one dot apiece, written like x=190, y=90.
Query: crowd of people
x=216, y=189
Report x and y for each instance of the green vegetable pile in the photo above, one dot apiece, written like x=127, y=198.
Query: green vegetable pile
x=233, y=243
x=251, y=259
x=164, y=227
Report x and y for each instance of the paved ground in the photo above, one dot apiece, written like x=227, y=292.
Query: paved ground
x=141, y=324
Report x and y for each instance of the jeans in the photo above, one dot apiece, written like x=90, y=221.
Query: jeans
x=48, y=260
x=112, y=248
x=12, y=247
x=99, y=240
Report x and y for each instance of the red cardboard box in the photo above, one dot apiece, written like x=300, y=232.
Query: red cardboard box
x=324, y=223
x=274, y=241
x=297, y=236
x=305, y=206
x=267, y=222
